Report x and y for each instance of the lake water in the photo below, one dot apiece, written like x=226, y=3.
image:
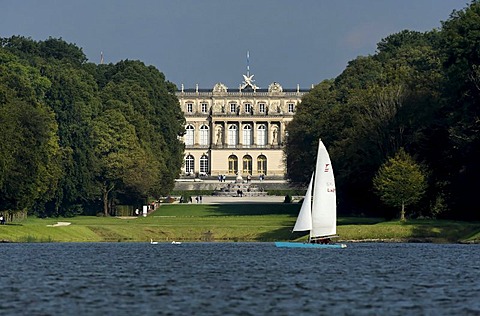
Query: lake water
x=238, y=279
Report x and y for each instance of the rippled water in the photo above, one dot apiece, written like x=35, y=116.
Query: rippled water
x=238, y=279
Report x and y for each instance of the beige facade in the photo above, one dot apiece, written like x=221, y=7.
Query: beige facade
x=240, y=131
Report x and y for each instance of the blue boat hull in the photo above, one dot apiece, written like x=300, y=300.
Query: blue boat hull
x=285, y=244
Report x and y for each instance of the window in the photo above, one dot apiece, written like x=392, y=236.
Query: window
x=248, y=108
x=247, y=135
x=233, y=107
x=261, y=107
x=247, y=164
x=204, y=165
x=204, y=135
x=232, y=164
x=261, y=135
x=189, y=136
x=232, y=136
x=189, y=107
x=189, y=164
x=262, y=164
x=291, y=107
x=204, y=107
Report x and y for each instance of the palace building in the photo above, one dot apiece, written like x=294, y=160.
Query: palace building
x=238, y=131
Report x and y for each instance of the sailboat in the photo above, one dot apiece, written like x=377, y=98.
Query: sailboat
x=318, y=213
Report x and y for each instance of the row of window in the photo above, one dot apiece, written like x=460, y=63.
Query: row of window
x=247, y=164
x=233, y=107
x=232, y=136
x=190, y=135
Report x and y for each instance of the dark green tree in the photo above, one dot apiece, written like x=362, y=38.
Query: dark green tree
x=458, y=161
x=73, y=98
x=311, y=122
x=119, y=159
x=379, y=104
x=29, y=150
x=148, y=103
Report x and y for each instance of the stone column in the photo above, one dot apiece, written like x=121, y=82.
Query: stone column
x=213, y=134
x=268, y=132
x=281, y=132
x=240, y=133
x=196, y=134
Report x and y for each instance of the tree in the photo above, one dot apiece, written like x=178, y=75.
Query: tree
x=72, y=97
x=460, y=40
x=70, y=92
x=400, y=182
x=29, y=150
x=149, y=103
x=119, y=159
x=61, y=50
x=309, y=124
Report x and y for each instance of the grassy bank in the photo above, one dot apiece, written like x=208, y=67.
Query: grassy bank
x=228, y=222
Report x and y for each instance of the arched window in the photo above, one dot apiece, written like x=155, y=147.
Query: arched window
x=189, y=164
x=232, y=135
x=204, y=135
x=189, y=135
x=262, y=164
x=247, y=164
x=204, y=165
x=261, y=135
x=232, y=164
x=247, y=135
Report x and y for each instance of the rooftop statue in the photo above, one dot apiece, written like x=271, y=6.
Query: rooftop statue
x=248, y=81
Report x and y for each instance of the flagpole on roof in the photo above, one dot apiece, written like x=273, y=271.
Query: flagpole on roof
x=248, y=63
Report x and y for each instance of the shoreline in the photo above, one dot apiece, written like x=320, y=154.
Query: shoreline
x=352, y=241
x=235, y=222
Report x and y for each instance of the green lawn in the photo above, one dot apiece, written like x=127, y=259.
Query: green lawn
x=228, y=222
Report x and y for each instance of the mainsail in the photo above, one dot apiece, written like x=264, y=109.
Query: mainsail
x=324, y=206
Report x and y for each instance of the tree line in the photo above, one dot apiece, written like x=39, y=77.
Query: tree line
x=79, y=138
x=417, y=98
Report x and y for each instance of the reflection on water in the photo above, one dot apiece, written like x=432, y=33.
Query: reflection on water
x=238, y=278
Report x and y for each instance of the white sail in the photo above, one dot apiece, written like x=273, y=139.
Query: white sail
x=304, y=219
x=324, y=206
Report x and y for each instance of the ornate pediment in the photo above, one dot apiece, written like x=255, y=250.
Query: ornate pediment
x=275, y=87
x=220, y=88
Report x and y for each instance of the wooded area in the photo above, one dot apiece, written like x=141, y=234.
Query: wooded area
x=77, y=138
x=419, y=92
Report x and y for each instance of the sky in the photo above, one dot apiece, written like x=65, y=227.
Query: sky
x=206, y=41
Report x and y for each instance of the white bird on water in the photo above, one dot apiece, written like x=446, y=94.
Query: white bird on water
x=153, y=242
